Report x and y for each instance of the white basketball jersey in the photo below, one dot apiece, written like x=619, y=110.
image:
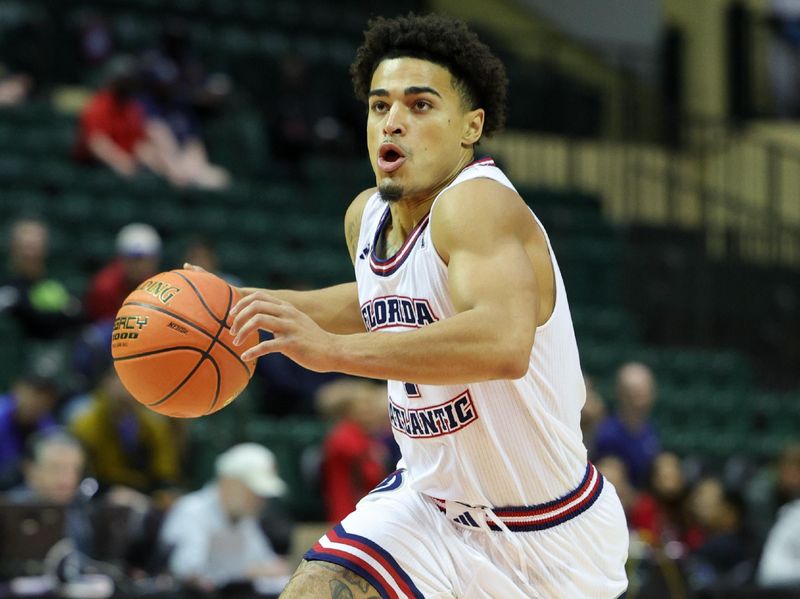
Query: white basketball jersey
x=496, y=443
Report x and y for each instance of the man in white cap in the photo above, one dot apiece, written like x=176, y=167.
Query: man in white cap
x=138, y=258
x=213, y=534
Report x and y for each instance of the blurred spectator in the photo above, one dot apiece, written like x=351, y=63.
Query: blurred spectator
x=42, y=305
x=24, y=410
x=174, y=85
x=203, y=253
x=771, y=489
x=213, y=534
x=53, y=470
x=613, y=469
x=14, y=87
x=138, y=258
x=660, y=514
x=127, y=444
x=112, y=126
x=354, y=458
x=629, y=433
x=723, y=559
x=592, y=414
x=780, y=561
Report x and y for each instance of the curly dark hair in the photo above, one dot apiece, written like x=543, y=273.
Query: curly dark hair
x=479, y=76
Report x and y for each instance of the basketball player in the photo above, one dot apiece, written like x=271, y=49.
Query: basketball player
x=467, y=317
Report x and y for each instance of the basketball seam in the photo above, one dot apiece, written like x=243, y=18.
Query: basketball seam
x=219, y=383
x=185, y=380
x=213, y=342
x=203, y=356
x=223, y=322
x=206, y=355
x=191, y=324
x=158, y=351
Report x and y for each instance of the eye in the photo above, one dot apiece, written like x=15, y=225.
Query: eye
x=422, y=105
x=379, y=106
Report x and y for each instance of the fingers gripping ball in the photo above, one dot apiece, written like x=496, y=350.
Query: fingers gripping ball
x=172, y=345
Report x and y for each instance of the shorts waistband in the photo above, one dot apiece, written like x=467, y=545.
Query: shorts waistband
x=531, y=517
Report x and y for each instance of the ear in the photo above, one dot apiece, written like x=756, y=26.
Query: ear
x=473, y=126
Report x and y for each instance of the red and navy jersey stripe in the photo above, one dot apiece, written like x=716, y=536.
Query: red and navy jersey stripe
x=367, y=559
x=385, y=267
x=544, y=515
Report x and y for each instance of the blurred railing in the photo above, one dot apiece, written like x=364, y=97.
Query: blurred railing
x=741, y=190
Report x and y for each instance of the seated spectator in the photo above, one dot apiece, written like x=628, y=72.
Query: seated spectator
x=138, y=258
x=112, y=126
x=42, y=305
x=213, y=534
x=771, y=489
x=660, y=515
x=174, y=131
x=53, y=471
x=24, y=410
x=128, y=445
x=723, y=558
x=353, y=456
x=629, y=433
x=780, y=560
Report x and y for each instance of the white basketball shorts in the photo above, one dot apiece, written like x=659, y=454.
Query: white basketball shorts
x=411, y=546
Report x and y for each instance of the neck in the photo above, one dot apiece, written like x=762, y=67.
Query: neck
x=409, y=211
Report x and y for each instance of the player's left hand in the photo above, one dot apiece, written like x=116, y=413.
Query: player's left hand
x=295, y=334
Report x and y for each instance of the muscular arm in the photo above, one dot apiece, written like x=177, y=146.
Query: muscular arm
x=480, y=229
x=326, y=580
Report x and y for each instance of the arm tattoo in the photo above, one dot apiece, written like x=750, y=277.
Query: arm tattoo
x=339, y=590
x=351, y=236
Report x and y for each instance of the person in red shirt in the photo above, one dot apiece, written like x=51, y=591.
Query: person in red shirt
x=660, y=515
x=138, y=258
x=353, y=456
x=113, y=128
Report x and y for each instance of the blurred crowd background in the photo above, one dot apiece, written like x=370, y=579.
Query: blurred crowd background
x=658, y=141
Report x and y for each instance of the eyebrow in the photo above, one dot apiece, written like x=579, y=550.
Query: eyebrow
x=409, y=91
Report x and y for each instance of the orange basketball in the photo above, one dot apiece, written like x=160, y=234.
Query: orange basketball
x=172, y=345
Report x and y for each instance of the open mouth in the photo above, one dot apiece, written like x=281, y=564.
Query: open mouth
x=390, y=158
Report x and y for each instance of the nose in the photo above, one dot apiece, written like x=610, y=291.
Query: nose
x=394, y=124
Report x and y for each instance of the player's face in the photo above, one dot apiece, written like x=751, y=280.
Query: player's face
x=419, y=133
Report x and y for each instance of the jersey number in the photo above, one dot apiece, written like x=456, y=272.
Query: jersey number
x=412, y=391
